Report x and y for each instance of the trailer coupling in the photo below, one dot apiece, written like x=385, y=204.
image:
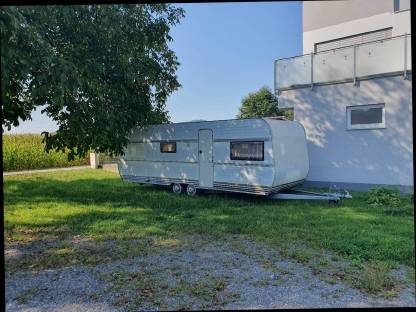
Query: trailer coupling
x=304, y=195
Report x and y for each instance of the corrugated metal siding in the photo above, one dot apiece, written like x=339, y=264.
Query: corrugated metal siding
x=356, y=39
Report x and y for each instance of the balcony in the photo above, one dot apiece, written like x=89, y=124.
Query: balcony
x=363, y=61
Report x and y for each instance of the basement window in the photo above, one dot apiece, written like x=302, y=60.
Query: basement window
x=242, y=150
x=168, y=147
x=366, y=117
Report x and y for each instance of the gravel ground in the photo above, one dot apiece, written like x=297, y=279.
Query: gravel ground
x=10, y=173
x=189, y=273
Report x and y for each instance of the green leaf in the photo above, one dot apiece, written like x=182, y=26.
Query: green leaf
x=76, y=60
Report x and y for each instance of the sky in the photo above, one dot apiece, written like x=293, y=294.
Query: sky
x=225, y=50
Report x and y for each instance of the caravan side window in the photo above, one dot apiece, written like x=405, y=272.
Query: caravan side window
x=243, y=150
x=168, y=147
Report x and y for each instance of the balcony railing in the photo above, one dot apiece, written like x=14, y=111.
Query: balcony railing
x=373, y=59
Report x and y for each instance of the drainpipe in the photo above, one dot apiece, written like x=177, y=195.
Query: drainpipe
x=355, y=65
x=276, y=90
x=405, y=57
x=311, y=70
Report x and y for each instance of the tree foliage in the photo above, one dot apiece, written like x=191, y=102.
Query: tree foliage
x=262, y=103
x=99, y=71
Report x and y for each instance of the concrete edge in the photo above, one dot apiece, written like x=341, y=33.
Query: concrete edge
x=356, y=187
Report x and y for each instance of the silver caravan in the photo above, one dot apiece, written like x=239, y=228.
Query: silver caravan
x=256, y=156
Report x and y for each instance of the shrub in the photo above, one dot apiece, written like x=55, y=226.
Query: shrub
x=390, y=200
x=411, y=198
x=382, y=196
x=26, y=151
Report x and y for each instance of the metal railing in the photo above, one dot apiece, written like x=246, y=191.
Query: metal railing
x=362, y=61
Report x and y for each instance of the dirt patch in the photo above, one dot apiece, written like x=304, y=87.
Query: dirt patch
x=190, y=272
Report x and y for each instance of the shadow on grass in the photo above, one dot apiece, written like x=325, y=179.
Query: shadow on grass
x=108, y=208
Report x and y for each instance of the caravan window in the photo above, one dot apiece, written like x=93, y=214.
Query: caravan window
x=247, y=150
x=168, y=147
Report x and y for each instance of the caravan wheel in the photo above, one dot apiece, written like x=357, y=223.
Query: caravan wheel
x=191, y=190
x=177, y=188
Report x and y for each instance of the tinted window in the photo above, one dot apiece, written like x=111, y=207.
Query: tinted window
x=247, y=150
x=364, y=116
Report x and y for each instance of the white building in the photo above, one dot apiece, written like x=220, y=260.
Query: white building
x=352, y=92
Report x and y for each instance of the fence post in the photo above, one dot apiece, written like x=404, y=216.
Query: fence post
x=94, y=160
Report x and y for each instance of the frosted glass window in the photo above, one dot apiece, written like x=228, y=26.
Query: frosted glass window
x=366, y=116
x=247, y=150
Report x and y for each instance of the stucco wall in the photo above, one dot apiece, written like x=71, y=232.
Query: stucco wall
x=382, y=156
x=318, y=14
x=400, y=23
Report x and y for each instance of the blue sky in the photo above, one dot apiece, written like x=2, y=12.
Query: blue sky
x=226, y=50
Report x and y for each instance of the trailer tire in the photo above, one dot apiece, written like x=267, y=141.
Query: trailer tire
x=190, y=190
x=176, y=188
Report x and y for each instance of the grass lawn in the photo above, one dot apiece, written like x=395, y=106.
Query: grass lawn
x=96, y=204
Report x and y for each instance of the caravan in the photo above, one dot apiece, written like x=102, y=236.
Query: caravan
x=256, y=156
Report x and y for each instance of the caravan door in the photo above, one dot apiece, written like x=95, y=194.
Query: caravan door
x=206, y=165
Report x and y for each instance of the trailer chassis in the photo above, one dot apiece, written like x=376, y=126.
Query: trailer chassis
x=293, y=194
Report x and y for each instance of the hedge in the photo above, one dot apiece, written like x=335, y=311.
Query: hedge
x=26, y=151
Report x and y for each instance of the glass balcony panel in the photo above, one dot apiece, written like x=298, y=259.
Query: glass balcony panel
x=382, y=57
x=293, y=71
x=333, y=65
x=375, y=58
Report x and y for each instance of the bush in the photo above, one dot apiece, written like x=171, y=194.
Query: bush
x=382, y=196
x=411, y=198
x=391, y=201
x=26, y=151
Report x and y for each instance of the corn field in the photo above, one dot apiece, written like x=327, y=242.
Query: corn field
x=26, y=151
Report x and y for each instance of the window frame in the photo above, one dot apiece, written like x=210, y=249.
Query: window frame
x=316, y=44
x=168, y=142
x=246, y=158
x=396, y=6
x=381, y=125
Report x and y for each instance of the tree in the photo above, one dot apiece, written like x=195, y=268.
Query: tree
x=99, y=70
x=262, y=103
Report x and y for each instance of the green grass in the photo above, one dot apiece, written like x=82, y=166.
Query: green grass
x=374, y=278
x=97, y=204
x=26, y=151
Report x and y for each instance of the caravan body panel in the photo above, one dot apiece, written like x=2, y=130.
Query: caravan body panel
x=202, y=155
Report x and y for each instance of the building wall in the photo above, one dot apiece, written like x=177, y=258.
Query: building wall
x=360, y=157
x=328, y=20
x=318, y=14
